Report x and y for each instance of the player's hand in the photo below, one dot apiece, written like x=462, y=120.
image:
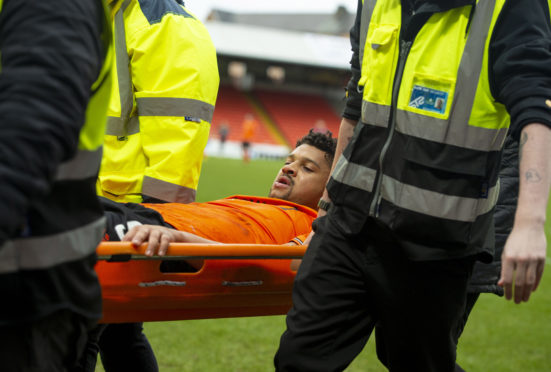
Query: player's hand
x=309, y=238
x=157, y=238
x=523, y=261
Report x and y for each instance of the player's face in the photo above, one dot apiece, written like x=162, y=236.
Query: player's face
x=302, y=179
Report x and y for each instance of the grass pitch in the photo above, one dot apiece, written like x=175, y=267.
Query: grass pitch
x=500, y=336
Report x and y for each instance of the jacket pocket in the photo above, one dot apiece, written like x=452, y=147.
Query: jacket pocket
x=121, y=187
x=379, y=63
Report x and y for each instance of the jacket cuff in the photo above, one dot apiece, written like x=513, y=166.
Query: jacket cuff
x=535, y=109
x=353, y=108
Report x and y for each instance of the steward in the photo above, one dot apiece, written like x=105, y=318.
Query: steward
x=437, y=86
x=54, y=88
x=161, y=105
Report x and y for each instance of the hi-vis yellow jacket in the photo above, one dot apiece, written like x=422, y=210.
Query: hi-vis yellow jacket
x=162, y=102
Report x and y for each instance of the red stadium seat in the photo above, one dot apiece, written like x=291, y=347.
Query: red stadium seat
x=231, y=107
x=297, y=113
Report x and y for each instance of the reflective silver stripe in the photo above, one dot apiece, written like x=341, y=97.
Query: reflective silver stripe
x=437, y=204
x=470, y=67
x=413, y=198
x=44, y=252
x=367, y=12
x=120, y=128
x=354, y=175
x=167, y=191
x=84, y=165
x=434, y=129
x=375, y=114
x=147, y=106
x=456, y=134
x=169, y=106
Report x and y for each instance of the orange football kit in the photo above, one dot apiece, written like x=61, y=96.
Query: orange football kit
x=241, y=219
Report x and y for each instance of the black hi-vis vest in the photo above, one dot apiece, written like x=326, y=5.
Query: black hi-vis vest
x=424, y=159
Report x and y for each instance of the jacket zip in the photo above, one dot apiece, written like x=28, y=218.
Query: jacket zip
x=404, y=51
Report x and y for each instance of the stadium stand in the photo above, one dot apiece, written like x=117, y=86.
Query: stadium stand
x=231, y=107
x=296, y=113
x=311, y=56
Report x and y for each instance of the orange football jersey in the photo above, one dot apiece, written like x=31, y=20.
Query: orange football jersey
x=241, y=219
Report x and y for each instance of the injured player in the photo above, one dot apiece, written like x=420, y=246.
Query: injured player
x=285, y=216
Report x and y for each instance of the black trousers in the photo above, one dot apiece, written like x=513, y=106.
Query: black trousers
x=346, y=285
x=51, y=344
x=471, y=301
x=122, y=346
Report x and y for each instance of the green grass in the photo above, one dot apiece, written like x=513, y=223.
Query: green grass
x=225, y=177
x=500, y=336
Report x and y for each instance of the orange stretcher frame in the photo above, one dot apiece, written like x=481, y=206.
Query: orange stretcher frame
x=235, y=280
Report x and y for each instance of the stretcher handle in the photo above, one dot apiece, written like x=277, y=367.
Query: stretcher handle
x=124, y=251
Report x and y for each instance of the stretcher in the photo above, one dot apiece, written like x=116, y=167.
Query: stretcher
x=234, y=280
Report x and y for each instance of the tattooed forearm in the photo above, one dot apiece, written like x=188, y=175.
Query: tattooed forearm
x=532, y=176
x=523, y=140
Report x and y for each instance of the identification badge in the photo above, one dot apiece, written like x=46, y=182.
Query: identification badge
x=428, y=99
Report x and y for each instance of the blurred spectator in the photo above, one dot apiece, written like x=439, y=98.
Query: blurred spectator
x=223, y=132
x=247, y=135
x=320, y=126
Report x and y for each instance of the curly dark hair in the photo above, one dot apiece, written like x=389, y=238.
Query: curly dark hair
x=322, y=141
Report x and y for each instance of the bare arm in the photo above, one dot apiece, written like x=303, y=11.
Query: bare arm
x=523, y=258
x=159, y=238
x=345, y=133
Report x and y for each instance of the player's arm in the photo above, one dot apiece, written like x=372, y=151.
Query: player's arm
x=299, y=240
x=158, y=238
x=525, y=250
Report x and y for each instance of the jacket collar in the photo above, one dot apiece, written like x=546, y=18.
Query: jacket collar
x=436, y=6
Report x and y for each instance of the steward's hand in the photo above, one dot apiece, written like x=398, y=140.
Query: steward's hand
x=523, y=261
